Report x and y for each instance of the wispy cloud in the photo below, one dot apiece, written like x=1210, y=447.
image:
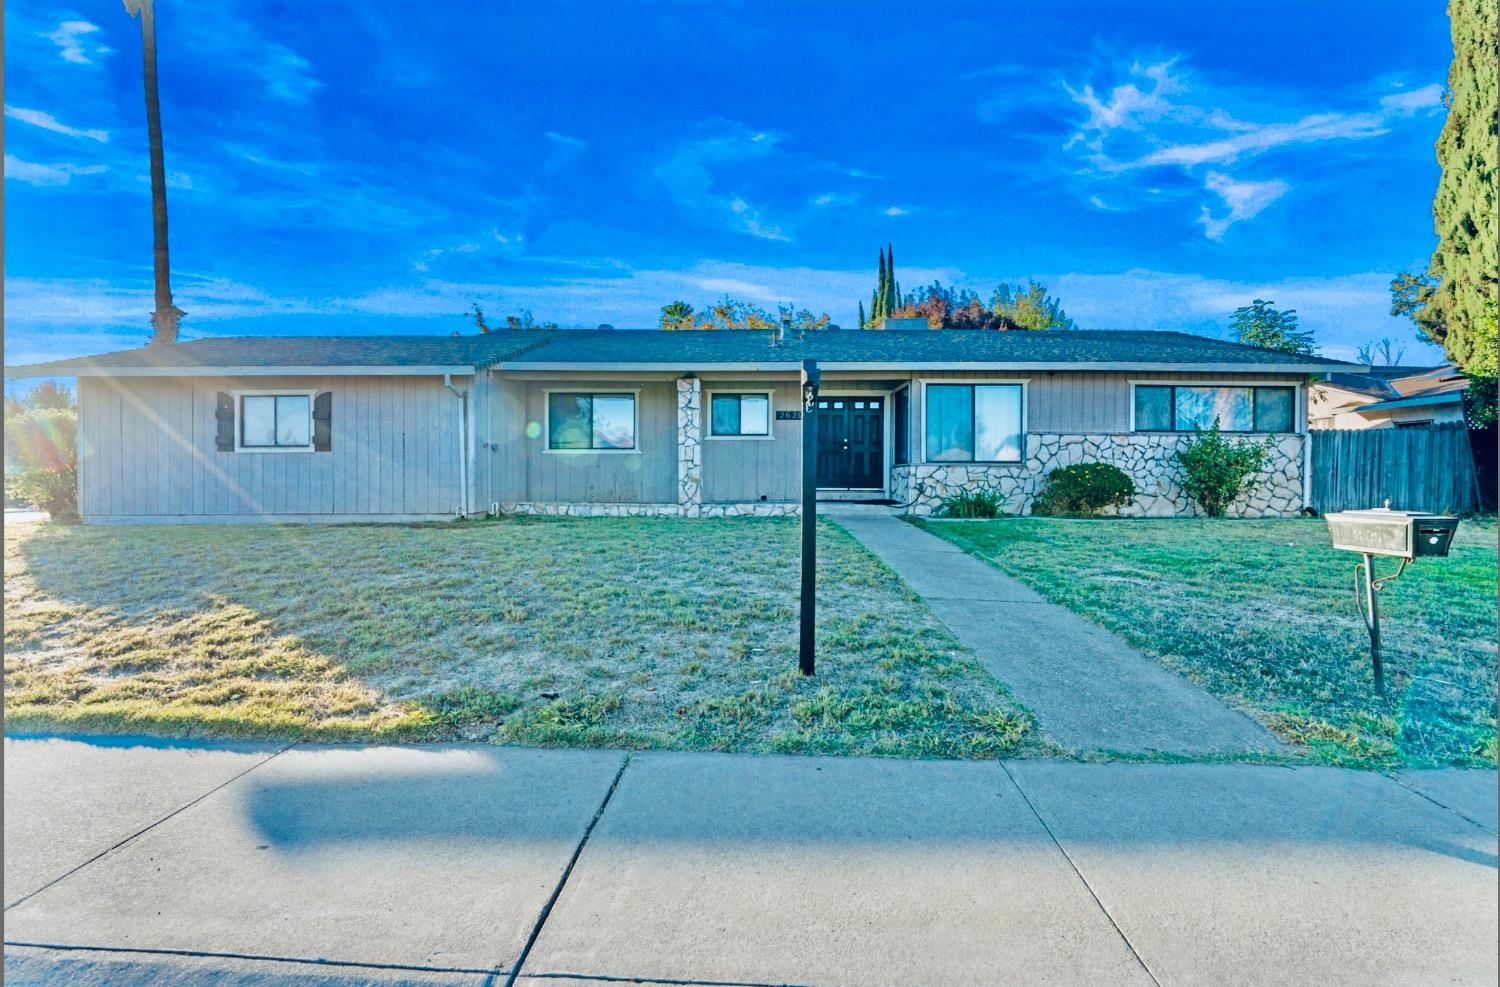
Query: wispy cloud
x=1243, y=199
x=74, y=42
x=34, y=173
x=691, y=176
x=559, y=138
x=47, y=121
x=894, y=211
x=1428, y=99
x=1161, y=116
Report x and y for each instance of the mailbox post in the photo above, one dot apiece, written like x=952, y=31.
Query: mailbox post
x=807, y=644
x=1405, y=535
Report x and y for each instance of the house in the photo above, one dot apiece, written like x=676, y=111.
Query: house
x=620, y=422
x=1387, y=397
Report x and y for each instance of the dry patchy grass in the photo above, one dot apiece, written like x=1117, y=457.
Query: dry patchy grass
x=621, y=632
x=1262, y=613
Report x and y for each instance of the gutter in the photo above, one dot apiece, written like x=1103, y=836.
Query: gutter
x=923, y=365
x=463, y=443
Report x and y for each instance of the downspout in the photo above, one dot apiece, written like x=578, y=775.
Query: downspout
x=1302, y=395
x=463, y=443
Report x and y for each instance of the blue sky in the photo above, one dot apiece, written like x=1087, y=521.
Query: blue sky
x=377, y=167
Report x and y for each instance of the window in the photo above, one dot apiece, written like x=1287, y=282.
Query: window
x=590, y=421
x=901, y=426
x=974, y=423
x=275, y=421
x=740, y=414
x=1186, y=407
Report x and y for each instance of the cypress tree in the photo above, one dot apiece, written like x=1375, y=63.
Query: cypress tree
x=1455, y=305
x=890, y=281
x=877, y=309
x=861, y=315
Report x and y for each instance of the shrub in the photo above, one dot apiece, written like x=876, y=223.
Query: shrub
x=1084, y=489
x=972, y=504
x=41, y=459
x=1219, y=470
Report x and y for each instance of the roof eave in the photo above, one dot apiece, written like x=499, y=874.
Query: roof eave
x=925, y=365
x=282, y=370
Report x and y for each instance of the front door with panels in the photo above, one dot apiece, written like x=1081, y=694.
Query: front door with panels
x=851, y=443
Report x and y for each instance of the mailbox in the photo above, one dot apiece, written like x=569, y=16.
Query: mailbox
x=1405, y=535
x=1401, y=534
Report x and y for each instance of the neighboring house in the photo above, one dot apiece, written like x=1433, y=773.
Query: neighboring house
x=1387, y=397
x=671, y=423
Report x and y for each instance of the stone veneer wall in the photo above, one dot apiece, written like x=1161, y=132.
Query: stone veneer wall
x=1150, y=459
x=689, y=441
x=750, y=509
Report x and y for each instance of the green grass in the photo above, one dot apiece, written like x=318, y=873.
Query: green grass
x=1262, y=613
x=578, y=632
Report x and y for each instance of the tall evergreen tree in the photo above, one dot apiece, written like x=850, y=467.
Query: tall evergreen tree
x=862, y=322
x=1454, y=304
x=891, y=301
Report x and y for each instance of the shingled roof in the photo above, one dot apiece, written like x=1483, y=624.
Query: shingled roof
x=688, y=350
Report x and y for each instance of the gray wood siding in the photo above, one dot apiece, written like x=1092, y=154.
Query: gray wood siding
x=519, y=469
x=749, y=469
x=147, y=448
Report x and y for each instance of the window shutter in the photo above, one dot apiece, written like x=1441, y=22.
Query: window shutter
x=323, y=422
x=225, y=415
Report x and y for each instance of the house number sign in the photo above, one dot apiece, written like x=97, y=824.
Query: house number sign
x=788, y=416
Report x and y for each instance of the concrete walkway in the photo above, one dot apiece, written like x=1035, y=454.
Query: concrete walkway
x=1090, y=690
x=135, y=862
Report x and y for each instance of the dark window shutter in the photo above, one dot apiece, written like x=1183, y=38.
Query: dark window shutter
x=225, y=415
x=323, y=422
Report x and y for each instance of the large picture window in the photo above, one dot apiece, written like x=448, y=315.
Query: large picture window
x=740, y=414
x=275, y=421
x=1188, y=407
x=973, y=423
x=583, y=422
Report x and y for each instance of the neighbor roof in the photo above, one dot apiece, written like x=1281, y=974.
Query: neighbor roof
x=689, y=350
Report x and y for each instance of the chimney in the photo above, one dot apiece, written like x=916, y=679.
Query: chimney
x=902, y=325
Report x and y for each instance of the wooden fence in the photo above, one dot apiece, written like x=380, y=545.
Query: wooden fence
x=1416, y=469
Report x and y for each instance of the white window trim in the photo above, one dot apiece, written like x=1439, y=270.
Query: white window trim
x=635, y=425
x=979, y=382
x=886, y=453
x=708, y=413
x=239, y=416
x=1299, y=406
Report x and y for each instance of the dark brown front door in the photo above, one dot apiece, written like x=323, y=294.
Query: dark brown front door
x=851, y=443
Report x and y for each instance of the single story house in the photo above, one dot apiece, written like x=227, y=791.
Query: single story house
x=687, y=423
x=1388, y=397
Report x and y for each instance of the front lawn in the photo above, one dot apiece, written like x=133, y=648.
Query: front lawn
x=628, y=632
x=1262, y=613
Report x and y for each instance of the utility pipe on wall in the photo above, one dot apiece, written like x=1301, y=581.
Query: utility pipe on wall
x=463, y=443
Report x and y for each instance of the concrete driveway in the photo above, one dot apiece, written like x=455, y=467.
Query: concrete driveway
x=134, y=861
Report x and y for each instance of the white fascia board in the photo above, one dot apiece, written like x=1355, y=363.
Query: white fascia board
x=948, y=366
x=286, y=371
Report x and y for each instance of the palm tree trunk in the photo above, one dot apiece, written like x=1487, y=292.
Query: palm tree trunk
x=164, y=319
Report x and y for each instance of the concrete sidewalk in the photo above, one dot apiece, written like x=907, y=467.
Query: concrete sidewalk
x=135, y=862
x=1089, y=690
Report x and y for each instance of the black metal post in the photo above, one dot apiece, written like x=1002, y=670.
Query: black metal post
x=1372, y=607
x=807, y=644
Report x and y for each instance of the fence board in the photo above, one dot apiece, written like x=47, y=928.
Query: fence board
x=1416, y=469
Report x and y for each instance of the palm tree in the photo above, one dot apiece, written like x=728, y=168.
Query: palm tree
x=164, y=320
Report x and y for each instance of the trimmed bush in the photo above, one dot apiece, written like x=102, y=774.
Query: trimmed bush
x=972, y=504
x=1084, y=490
x=1219, y=470
x=41, y=453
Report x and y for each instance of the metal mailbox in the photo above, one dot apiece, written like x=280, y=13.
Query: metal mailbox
x=1405, y=535
x=1400, y=534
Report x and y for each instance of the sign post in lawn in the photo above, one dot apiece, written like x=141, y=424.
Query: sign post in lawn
x=806, y=648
